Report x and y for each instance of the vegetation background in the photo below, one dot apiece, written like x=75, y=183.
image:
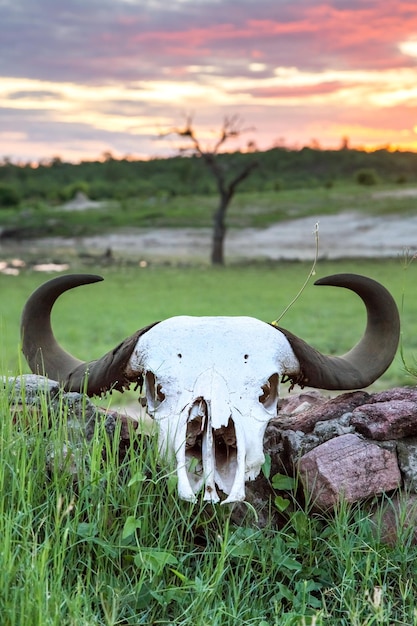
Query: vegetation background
x=278, y=169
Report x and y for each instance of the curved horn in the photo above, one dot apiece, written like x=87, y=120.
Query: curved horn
x=45, y=356
x=369, y=358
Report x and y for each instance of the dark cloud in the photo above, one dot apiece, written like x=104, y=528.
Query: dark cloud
x=38, y=131
x=100, y=40
x=35, y=94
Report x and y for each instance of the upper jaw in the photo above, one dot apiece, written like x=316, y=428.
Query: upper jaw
x=214, y=459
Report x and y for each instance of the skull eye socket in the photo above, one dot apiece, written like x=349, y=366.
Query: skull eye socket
x=269, y=395
x=154, y=393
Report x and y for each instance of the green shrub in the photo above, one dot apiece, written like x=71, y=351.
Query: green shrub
x=9, y=196
x=366, y=177
x=70, y=191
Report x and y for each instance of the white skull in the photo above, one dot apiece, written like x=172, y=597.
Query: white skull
x=212, y=386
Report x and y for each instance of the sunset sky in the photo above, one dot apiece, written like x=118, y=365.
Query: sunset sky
x=83, y=77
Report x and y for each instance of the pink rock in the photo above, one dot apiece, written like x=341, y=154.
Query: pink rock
x=348, y=467
x=386, y=420
x=292, y=404
x=323, y=411
x=397, y=393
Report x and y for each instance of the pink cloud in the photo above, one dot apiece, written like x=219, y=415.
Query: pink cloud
x=364, y=37
x=306, y=36
x=297, y=91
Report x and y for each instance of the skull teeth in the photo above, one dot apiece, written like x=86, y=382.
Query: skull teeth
x=212, y=454
x=209, y=466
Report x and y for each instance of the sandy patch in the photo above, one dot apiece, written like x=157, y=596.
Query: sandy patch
x=340, y=236
x=410, y=192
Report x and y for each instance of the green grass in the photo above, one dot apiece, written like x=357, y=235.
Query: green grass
x=115, y=546
x=92, y=319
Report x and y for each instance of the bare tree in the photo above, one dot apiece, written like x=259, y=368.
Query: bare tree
x=227, y=177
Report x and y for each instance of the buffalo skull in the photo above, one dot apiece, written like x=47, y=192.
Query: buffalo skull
x=212, y=383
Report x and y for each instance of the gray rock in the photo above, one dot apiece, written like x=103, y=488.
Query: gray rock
x=27, y=388
x=296, y=443
x=407, y=460
x=332, y=428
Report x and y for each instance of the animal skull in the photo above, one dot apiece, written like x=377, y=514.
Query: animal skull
x=213, y=399
x=212, y=383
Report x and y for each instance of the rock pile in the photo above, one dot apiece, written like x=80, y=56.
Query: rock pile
x=355, y=445
x=28, y=394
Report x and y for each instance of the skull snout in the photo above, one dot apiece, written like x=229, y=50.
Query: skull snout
x=212, y=453
x=214, y=427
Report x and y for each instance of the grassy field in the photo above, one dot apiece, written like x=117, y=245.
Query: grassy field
x=92, y=319
x=117, y=548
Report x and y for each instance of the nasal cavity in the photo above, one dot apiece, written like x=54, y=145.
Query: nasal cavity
x=269, y=395
x=224, y=443
x=196, y=425
x=225, y=440
x=154, y=393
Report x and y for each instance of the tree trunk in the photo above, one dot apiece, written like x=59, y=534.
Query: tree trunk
x=219, y=232
x=226, y=180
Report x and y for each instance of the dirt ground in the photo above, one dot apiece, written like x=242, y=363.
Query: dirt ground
x=340, y=236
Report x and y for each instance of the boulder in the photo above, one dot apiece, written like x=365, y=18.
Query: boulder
x=347, y=467
x=392, y=419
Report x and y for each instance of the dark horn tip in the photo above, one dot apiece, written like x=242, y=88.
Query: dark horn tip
x=42, y=352
x=336, y=280
x=83, y=278
x=370, y=357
